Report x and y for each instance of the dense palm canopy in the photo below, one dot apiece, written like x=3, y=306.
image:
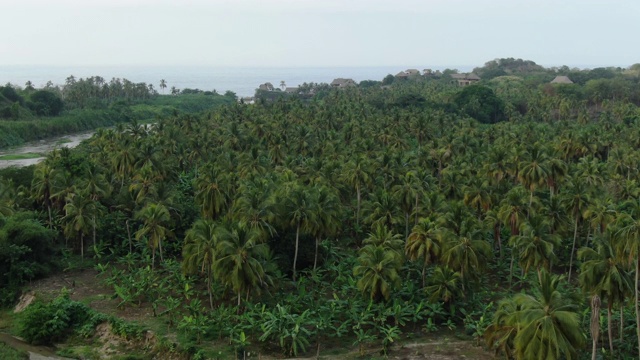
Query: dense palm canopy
x=340, y=185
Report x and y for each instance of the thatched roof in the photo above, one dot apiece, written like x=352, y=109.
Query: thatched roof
x=341, y=82
x=561, y=79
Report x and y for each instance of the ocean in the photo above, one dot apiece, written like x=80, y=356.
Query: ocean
x=241, y=80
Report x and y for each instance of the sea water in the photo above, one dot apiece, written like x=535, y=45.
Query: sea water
x=241, y=80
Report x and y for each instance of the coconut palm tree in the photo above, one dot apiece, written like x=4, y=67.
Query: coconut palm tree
x=42, y=186
x=628, y=246
x=155, y=218
x=467, y=253
x=548, y=323
x=356, y=175
x=424, y=243
x=327, y=221
x=387, y=239
x=576, y=200
x=241, y=255
x=445, y=285
x=6, y=197
x=163, y=85
x=78, y=218
x=298, y=210
x=377, y=271
x=602, y=273
x=535, y=245
x=200, y=251
x=212, y=192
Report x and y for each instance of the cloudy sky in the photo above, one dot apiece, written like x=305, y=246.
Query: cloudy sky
x=303, y=33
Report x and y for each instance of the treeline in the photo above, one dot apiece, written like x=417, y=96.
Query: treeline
x=86, y=104
x=366, y=215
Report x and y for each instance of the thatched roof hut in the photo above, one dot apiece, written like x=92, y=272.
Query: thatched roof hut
x=561, y=79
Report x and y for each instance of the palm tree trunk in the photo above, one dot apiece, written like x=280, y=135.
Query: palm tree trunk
x=621, y=322
x=498, y=237
x=129, y=236
x=424, y=274
x=417, y=209
x=573, y=247
x=315, y=258
x=94, y=230
x=82, y=245
x=160, y=247
x=295, y=255
x=50, y=217
x=595, y=325
x=238, y=301
x=406, y=226
x=209, y=288
x=358, y=205
x=636, y=302
x=511, y=270
x=609, y=326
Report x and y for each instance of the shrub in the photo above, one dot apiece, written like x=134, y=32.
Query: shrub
x=46, y=323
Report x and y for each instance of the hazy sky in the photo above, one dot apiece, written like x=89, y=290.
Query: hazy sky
x=318, y=32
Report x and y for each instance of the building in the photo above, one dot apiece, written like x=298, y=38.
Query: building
x=561, y=79
x=266, y=87
x=341, y=83
x=465, y=79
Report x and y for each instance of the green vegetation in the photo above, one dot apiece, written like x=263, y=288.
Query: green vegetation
x=9, y=353
x=20, y=156
x=29, y=114
x=505, y=211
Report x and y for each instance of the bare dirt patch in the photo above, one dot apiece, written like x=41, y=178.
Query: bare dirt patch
x=87, y=287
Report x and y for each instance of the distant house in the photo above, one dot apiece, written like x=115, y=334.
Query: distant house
x=292, y=90
x=341, y=83
x=465, y=79
x=402, y=75
x=248, y=100
x=266, y=87
x=412, y=72
x=561, y=79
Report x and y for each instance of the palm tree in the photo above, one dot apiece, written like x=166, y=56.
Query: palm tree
x=377, y=270
x=629, y=250
x=535, y=245
x=163, y=85
x=514, y=209
x=78, y=218
x=155, y=218
x=41, y=186
x=327, y=220
x=387, y=239
x=445, y=285
x=500, y=335
x=466, y=253
x=200, y=251
x=602, y=273
x=6, y=197
x=576, y=200
x=548, y=323
x=356, y=175
x=212, y=191
x=253, y=207
x=534, y=171
x=424, y=243
x=298, y=210
x=241, y=255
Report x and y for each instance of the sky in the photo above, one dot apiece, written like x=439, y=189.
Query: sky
x=308, y=33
